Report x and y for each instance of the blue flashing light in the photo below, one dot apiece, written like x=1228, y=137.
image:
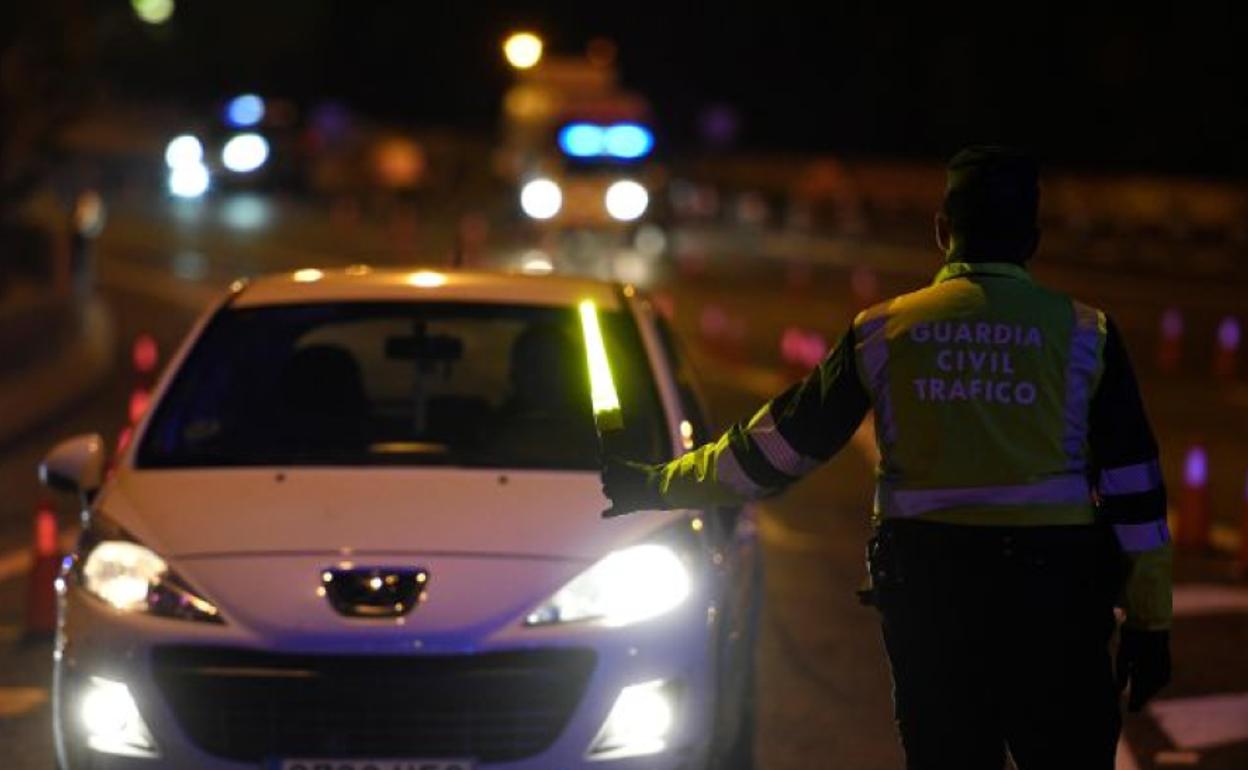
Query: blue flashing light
x=246, y=110
x=628, y=141
x=582, y=140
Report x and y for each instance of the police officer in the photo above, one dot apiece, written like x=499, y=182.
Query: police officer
x=1018, y=494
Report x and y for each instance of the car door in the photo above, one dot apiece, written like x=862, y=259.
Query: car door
x=733, y=537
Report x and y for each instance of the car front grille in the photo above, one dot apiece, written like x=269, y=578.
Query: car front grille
x=251, y=706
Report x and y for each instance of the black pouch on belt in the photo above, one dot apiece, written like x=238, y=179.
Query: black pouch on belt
x=883, y=570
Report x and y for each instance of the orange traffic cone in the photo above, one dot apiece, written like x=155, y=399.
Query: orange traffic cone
x=1170, y=341
x=1194, y=514
x=1227, y=348
x=40, y=594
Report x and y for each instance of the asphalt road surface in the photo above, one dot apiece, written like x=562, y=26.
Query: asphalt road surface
x=823, y=683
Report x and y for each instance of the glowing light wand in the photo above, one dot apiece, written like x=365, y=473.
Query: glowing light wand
x=608, y=419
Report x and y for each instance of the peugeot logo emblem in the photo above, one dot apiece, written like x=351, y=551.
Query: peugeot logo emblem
x=374, y=592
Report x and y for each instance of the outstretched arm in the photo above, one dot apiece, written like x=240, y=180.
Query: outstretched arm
x=787, y=438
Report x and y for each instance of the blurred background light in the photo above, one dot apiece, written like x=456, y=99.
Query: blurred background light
x=153, y=11
x=582, y=140
x=626, y=200
x=523, y=50
x=536, y=262
x=184, y=150
x=244, y=111
x=188, y=180
x=628, y=141
x=541, y=199
x=245, y=152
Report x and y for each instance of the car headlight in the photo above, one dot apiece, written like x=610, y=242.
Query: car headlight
x=625, y=587
x=541, y=199
x=132, y=578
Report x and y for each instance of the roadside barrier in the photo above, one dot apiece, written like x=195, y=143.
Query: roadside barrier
x=1194, y=507
x=40, y=593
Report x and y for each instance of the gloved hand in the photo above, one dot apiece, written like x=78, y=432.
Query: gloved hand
x=1144, y=662
x=630, y=486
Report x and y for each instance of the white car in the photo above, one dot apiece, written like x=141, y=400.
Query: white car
x=360, y=529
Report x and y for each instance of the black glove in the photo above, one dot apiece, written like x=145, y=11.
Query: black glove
x=1144, y=661
x=630, y=486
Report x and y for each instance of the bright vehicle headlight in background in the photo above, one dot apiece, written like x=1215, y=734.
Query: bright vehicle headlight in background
x=639, y=722
x=244, y=153
x=626, y=200
x=541, y=199
x=184, y=150
x=188, y=180
x=131, y=578
x=625, y=587
x=112, y=721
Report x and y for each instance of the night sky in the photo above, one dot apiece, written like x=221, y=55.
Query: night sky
x=1157, y=89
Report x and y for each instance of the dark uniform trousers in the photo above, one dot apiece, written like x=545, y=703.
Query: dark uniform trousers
x=998, y=639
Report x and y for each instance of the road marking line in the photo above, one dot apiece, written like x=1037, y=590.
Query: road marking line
x=15, y=564
x=18, y=701
x=1209, y=599
x=1186, y=758
x=1203, y=722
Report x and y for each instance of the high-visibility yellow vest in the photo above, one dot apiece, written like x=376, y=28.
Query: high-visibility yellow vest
x=982, y=385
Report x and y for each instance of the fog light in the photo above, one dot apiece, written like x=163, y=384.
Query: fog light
x=112, y=722
x=639, y=723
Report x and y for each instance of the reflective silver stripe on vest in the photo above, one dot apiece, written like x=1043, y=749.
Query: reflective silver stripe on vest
x=908, y=503
x=728, y=471
x=1130, y=479
x=1142, y=537
x=1080, y=372
x=779, y=452
x=875, y=357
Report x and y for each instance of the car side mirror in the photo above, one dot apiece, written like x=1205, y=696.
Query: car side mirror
x=75, y=465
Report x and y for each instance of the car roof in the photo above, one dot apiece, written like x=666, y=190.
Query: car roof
x=359, y=283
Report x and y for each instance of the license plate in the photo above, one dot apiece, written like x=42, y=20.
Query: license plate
x=376, y=764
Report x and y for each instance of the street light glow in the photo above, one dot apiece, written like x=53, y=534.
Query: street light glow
x=523, y=50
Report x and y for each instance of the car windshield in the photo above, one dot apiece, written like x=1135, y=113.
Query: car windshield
x=494, y=386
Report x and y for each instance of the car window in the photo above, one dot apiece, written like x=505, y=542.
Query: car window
x=691, y=402
x=399, y=383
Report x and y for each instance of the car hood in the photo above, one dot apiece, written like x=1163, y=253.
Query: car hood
x=197, y=513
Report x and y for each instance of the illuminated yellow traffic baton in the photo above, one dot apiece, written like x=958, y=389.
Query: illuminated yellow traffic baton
x=608, y=419
x=606, y=401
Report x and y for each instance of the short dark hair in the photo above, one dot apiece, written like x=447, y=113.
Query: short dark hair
x=992, y=201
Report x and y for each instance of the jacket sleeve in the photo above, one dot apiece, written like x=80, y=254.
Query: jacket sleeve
x=787, y=438
x=1130, y=488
